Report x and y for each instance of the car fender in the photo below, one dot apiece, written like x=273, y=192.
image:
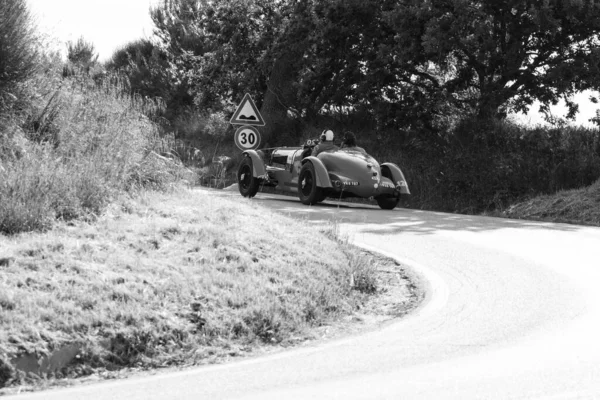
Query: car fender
x=398, y=176
x=258, y=165
x=320, y=170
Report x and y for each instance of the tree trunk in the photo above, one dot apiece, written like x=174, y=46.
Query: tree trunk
x=490, y=102
x=279, y=98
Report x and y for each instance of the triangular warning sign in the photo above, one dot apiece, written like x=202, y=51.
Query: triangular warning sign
x=247, y=113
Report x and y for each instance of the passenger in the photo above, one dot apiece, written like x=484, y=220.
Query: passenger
x=325, y=144
x=350, y=142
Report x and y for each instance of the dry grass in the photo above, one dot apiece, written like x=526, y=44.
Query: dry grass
x=171, y=279
x=73, y=146
x=579, y=206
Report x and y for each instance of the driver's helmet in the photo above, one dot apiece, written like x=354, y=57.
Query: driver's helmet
x=327, y=135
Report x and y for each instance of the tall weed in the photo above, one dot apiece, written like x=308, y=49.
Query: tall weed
x=77, y=142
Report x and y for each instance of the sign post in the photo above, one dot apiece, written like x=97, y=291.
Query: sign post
x=247, y=137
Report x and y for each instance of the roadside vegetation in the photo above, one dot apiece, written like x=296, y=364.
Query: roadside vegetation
x=70, y=142
x=166, y=279
x=576, y=206
x=107, y=260
x=102, y=249
x=433, y=93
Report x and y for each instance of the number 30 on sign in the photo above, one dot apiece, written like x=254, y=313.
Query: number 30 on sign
x=247, y=138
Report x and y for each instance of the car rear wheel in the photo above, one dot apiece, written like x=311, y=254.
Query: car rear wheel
x=387, y=202
x=308, y=191
x=247, y=183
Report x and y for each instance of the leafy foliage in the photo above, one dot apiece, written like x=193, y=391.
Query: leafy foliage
x=403, y=62
x=148, y=72
x=503, y=55
x=74, y=146
x=480, y=167
x=18, y=52
x=81, y=52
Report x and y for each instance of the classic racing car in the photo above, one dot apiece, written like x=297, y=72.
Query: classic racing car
x=338, y=174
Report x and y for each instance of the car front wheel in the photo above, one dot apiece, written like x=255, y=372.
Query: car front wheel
x=387, y=203
x=247, y=183
x=308, y=191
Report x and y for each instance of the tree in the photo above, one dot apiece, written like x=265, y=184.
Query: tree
x=147, y=69
x=223, y=49
x=81, y=56
x=295, y=57
x=353, y=64
x=18, y=53
x=501, y=55
x=402, y=63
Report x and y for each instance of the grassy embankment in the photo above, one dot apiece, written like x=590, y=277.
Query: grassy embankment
x=155, y=280
x=576, y=206
x=172, y=279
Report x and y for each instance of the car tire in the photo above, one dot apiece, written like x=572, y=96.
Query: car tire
x=322, y=197
x=308, y=191
x=387, y=202
x=247, y=184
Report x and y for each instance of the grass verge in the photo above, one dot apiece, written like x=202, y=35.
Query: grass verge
x=170, y=280
x=578, y=206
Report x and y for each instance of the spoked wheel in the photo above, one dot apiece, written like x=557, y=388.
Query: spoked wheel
x=308, y=191
x=247, y=183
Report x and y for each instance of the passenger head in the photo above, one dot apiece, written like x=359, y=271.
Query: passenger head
x=327, y=135
x=349, y=139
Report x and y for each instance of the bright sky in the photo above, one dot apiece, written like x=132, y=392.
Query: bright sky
x=587, y=110
x=108, y=24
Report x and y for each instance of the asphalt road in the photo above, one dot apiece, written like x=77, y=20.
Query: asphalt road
x=512, y=311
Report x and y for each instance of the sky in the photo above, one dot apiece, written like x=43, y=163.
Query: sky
x=110, y=24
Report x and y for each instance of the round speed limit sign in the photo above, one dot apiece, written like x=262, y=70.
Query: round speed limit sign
x=247, y=138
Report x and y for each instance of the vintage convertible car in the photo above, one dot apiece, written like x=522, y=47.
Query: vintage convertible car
x=336, y=174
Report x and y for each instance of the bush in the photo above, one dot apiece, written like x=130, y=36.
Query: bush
x=482, y=166
x=75, y=145
x=6, y=372
x=18, y=51
x=148, y=72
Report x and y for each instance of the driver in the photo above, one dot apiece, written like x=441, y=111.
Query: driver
x=325, y=144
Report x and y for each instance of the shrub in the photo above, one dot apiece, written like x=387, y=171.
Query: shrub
x=482, y=165
x=148, y=72
x=77, y=144
x=6, y=372
x=18, y=51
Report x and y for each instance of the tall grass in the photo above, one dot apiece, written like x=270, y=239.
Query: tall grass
x=204, y=141
x=73, y=145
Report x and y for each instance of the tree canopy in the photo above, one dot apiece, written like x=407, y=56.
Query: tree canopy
x=501, y=55
x=403, y=61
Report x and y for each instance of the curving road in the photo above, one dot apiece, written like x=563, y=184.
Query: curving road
x=512, y=312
